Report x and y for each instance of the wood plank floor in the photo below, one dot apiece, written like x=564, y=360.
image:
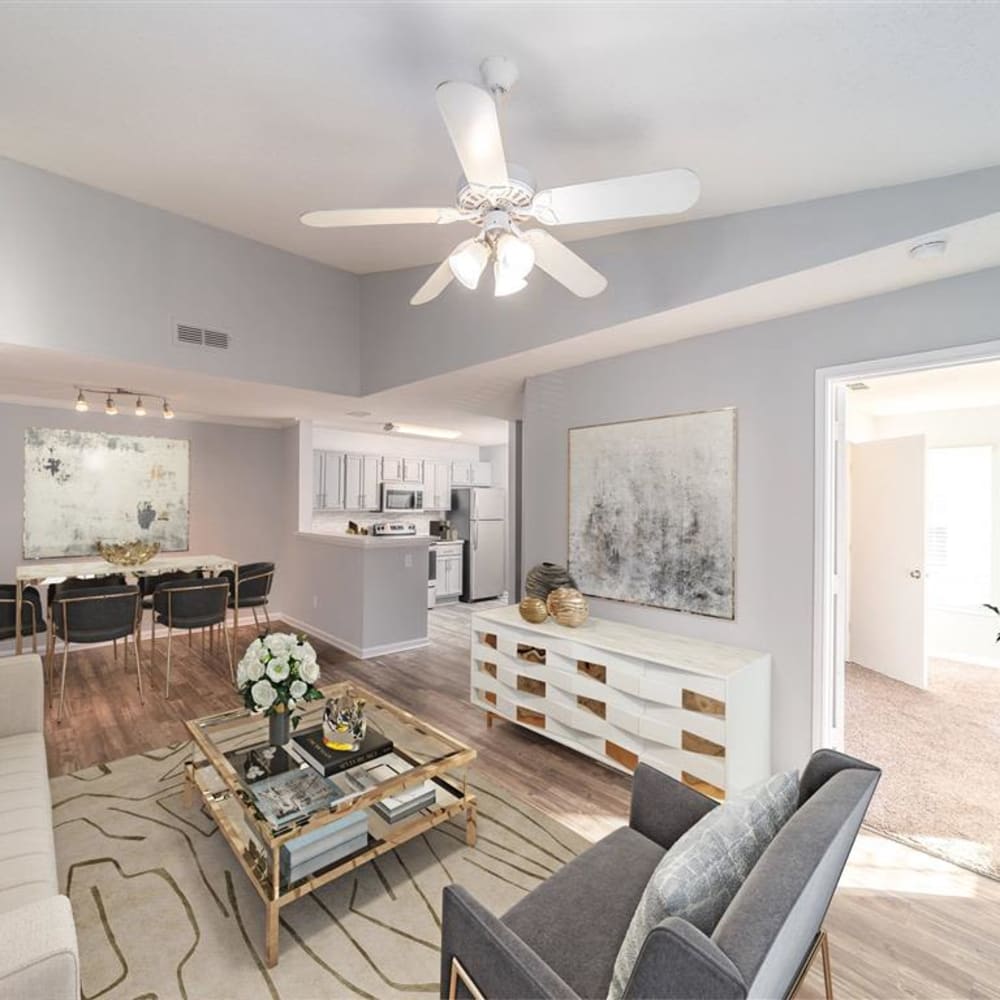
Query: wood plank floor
x=902, y=924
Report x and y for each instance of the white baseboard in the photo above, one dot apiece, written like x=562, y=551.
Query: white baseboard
x=361, y=652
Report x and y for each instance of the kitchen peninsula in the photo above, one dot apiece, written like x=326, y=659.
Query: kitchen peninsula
x=367, y=595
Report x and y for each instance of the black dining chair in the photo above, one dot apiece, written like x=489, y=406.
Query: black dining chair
x=254, y=588
x=189, y=605
x=93, y=614
x=86, y=583
x=148, y=585
x=32, y=615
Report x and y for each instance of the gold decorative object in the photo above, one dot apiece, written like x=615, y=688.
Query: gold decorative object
x=128, y=553
x=568, y=606
x=533, y=609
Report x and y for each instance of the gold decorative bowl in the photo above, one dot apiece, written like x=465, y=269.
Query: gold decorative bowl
x=533, y=610
x=127, y=553
x=568, y=606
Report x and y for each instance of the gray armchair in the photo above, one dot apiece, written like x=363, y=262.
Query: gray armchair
x=562, y=939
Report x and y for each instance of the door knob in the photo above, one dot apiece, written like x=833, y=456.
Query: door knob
x=916, y=574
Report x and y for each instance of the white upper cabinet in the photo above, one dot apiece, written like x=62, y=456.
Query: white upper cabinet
x=392, y=469
x=361, y=482
x=413, y=470
x=437, y=485
x=328, y=480
x=482, y=474
x=461, y=473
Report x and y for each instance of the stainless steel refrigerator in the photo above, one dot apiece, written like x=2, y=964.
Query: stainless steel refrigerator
x=480, y=515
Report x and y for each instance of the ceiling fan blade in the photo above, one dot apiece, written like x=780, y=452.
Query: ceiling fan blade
x=379, y=216
x=558, y=261
x=664, y=192
x=438, y=281
x=470, y=116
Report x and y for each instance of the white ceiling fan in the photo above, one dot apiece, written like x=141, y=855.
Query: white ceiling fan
x=499, y=198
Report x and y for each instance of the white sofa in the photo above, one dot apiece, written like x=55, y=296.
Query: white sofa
x=38, y=950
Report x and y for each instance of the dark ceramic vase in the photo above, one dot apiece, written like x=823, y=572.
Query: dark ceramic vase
x=279, y=728
x=546, y=577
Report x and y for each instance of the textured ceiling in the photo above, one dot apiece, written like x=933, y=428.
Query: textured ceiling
x=245, y=115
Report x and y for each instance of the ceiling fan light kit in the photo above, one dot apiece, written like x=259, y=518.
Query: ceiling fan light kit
x=499, y=198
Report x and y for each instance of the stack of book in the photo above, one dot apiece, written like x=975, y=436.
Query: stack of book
x=304, y=855
x=310, y=747
x=401, y=804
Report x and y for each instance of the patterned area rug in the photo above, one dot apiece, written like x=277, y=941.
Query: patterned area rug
x=163, y=908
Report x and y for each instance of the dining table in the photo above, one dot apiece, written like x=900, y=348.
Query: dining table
x=44, y=571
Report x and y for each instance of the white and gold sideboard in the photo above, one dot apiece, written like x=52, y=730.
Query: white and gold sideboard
x=700, y=711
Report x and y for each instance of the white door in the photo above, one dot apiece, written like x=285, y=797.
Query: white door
x=461, y=473
x=413, y=470
x=317, y=480
x=354, y=482
x=392, y=469
x=333, y=481
x=489, y=503
x=887, y=543
x=482, y=474
x=442, y=485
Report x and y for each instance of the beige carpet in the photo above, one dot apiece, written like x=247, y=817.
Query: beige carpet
x=163, y=909
x=940, y=754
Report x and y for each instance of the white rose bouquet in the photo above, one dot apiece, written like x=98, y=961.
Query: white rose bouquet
x=278, y=673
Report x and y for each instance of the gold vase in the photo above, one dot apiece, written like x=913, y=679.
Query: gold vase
x=568, y=606
x=533, y=610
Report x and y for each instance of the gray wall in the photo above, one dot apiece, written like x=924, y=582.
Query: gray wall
x=767, y=372
x=649, y=271
x=86, y=271
x=235, y=509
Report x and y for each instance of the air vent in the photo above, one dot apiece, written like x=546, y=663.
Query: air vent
x=217, y=339
x=197, y=337
x=190, y=335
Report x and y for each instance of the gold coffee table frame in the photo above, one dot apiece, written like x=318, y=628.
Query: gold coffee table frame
x=257, y=845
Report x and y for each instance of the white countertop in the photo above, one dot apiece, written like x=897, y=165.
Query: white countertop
x=695, y=655
x=448, y=541
x=366, y=541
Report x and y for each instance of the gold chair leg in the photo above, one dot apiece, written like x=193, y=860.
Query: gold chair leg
x=114, y=643
x=457, y=972
x=824, y=946
x=267, y=617
x=170, y=636
x=229, y=654
x=50, y=656
x=152, y=643
x=256, y=620
x=138, y=665
x=62, y=687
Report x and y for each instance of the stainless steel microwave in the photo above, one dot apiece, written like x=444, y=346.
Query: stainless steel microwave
x=399, y=498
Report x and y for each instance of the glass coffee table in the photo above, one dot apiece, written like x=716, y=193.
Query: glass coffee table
x=227, y=748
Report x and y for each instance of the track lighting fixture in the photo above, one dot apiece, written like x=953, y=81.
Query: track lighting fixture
x=111, y=395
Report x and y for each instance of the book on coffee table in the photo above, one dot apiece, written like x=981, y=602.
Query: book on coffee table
x=399, y=804
x=311, y=748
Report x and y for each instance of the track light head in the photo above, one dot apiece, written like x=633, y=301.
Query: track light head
x=168, y=414
x=111, y=407
x=81, y=402
x=140, y=410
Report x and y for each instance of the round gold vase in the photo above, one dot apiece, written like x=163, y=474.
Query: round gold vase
x=568, y=606
x=533, y=610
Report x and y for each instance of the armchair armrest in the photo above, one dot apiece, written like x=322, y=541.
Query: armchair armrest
x=678, y=962
x=22, y=711
x=501, y=965
x=38, y=951
x=662, y=807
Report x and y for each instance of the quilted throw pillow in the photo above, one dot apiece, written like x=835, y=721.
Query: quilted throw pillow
x=699, y=876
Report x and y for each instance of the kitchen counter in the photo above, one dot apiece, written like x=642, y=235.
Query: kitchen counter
x=367, y=541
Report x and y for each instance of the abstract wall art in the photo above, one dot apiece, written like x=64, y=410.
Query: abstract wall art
x=652, y=511
x=82, y=487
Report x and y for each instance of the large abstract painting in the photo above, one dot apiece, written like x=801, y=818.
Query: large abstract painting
x=652, y=511
x=82, y=487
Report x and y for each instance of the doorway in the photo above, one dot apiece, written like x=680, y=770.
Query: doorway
x=908, y=481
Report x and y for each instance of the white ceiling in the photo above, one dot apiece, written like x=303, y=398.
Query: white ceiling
x=960, y=387
x=245, y=115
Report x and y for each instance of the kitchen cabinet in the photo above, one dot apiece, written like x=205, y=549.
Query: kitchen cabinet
x=437, y=485
x=449, y=569
x=402, y=470
x=328, y=480
x=392, y=469
x=471, y=474
x=361, y=482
